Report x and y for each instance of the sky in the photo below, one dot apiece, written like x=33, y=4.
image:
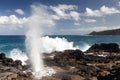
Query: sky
x=70, y=17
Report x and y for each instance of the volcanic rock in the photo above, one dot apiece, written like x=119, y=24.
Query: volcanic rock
x=68, y=58
x=8, y=61
x=2, y=56
x=18, y=64
x=111, y=47
x=8, y=76
x=69, y=65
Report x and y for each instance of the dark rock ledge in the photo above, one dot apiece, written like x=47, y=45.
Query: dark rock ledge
x=99, y=62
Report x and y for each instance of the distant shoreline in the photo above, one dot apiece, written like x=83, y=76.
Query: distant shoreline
x=113, y=32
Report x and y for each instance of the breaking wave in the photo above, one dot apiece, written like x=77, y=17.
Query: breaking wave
x=49, y=45
x=17, y=54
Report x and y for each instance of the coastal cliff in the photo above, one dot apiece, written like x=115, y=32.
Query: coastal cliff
x=106, y=32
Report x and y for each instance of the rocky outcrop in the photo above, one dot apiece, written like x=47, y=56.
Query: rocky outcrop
x=12, y=70
x=10, y=62
x=68, y=57
x=70, y=65
x=106, y=32
x=111, y=47
x=88, y=67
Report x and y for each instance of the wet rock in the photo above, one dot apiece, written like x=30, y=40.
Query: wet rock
x=18, y=64
x=28, y=74
x=8, y=61
x=76, y=54
x=70, y=65
x=68, y=58
x=12, y=70
x=19, y=67
x=111, y=47
x=2, y=56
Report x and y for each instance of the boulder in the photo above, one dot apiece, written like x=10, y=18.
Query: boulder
x=76, y=54
x=111, y=47
x=17, y=62
x=2, y=56
x=28, y=74
x=18, y=65
x=8, y=61
x=68, y=58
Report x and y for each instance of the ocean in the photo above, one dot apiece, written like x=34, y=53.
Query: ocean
x=10, y=44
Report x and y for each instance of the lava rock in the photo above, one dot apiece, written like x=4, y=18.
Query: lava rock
x=8, y=61
x=2, y=56
x=76, y=54
x=68, y=58
x=111, y=47
x=18, y=64
x=8, y=76
x=72, y=77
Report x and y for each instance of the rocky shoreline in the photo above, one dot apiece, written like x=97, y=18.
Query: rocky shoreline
x=99, y=62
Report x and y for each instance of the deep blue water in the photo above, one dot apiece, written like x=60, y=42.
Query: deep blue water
x=8, y=43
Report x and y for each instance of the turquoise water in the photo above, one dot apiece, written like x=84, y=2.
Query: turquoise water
x=8, y=43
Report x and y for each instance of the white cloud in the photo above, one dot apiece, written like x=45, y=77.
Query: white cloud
x=55, y=17
x=77, y=24
x=75, y=15
x=107, y=10
x=104, y=10
x=12, y=22
x=90, y=20
x=68, y=12
x=64, y=11
x=12, y=19
x=61, y=9
x=12, y=25
x=90, y=12
x=19, y=11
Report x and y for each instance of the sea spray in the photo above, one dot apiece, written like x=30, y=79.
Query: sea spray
x=35, y=54
x=17, y=54
x=36, y=22
x=56, y=44
x=36, y=44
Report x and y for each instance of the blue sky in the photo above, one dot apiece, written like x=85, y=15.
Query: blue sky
x=71, y=17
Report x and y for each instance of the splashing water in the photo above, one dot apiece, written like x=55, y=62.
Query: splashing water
x=39, y=19
x=17, y=54
x=36, y=44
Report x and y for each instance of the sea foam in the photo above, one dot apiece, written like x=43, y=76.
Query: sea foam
x=48, y=45
x=17, y=54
